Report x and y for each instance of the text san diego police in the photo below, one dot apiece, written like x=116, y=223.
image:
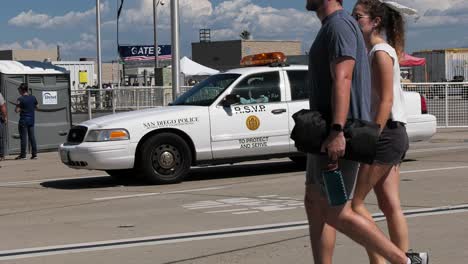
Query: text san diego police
x=171, y=122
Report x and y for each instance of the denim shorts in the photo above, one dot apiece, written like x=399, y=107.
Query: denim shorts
x=392, y=145
x=317, y=163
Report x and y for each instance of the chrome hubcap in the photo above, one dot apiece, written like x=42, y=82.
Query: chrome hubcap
x=166, y=160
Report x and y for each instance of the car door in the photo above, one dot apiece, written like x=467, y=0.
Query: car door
x=297, y=95
x=258, y=125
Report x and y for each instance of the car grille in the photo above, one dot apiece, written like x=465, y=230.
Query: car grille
x=76, y=135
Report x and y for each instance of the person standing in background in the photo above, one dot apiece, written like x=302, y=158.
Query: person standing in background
x=26, y=106
x=3, y=122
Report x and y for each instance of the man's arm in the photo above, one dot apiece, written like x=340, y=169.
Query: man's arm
x=342, y=76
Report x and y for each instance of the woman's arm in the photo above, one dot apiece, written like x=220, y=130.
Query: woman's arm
x=382, y=71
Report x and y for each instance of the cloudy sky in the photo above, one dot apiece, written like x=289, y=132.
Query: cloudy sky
x=31, y=24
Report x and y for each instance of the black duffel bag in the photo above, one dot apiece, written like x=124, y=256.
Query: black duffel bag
x=311, y=130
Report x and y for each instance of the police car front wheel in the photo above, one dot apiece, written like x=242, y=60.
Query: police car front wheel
x=165, y=158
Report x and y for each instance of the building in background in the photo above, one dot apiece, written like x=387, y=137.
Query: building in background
x=82, y=73
x=442, y=65
x=30, y=55
x=224, y=55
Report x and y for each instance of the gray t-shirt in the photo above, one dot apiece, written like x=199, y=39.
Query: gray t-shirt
x=2, y=100
x=339, y=36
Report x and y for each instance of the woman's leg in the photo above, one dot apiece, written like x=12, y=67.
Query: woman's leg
x=368, y=177
x=387, y=191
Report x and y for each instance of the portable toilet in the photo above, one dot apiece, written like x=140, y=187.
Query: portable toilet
x=51, y=86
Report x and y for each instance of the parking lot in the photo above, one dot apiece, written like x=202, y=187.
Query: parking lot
x=242, y=213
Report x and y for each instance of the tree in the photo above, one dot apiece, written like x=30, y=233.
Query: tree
x=245, y=35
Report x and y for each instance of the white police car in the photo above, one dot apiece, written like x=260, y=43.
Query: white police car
x=242, y=114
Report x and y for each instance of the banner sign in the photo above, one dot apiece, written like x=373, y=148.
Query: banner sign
x=144, y=53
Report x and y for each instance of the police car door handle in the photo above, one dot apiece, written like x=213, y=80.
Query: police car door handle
x=62, y=133
x=278, y=111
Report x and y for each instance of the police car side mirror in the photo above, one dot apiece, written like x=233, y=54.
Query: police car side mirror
x=230, y=99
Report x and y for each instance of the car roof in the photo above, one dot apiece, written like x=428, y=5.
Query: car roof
x=251, y=70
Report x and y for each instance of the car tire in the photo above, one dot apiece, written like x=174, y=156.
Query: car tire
x=122, y=174
x=164, y=159
x=300, y=161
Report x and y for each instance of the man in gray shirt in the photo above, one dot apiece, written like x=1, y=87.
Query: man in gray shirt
x=3, y=122
x=340, y=88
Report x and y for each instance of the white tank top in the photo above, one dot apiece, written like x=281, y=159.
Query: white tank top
x=398, y=110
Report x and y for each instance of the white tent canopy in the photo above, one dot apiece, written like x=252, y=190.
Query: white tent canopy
x=190, y=68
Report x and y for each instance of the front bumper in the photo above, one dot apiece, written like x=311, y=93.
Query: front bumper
x=114, y=155
x=421, y=127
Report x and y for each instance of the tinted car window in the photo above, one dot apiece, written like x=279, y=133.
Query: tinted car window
x=298, y=83
x=259, y=88
x=206, y=92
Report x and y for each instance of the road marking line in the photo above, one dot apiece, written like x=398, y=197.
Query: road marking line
x=198, y=190
x=125, y=196
x=437, y=169
x=161, y=193
x=435, y=149
x=210, y=206
x=196, y=236
x=246, y=212
x=227, y=211
x=148, y=241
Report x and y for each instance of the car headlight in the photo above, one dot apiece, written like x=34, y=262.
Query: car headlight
x=107, y=135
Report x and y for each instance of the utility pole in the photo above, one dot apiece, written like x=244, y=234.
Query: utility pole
x=98, y=31
x=175, y=49
x=156, y=3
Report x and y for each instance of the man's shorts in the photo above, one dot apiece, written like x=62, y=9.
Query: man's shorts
x=317, y=163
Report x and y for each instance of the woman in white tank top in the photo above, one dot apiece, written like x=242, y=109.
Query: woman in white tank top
x=376, y=18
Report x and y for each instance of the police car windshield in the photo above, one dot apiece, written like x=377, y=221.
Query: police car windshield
x=206, y=92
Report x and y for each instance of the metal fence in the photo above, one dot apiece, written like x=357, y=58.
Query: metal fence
x=105, y=101
x=447, y=101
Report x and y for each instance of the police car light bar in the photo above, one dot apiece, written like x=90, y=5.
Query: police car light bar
x=263, y=59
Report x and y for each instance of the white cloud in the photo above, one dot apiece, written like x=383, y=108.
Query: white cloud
x=44, y=21
x=226, y=20
x=86, y=42
x=437, y=13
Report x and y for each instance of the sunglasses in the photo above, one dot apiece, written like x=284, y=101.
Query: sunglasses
x=358, y=16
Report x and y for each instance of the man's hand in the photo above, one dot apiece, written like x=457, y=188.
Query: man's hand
x=334, y=146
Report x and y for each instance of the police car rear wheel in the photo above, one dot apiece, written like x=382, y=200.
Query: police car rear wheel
x=165, y=158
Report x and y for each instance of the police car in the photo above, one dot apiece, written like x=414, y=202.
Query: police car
x=239, y=115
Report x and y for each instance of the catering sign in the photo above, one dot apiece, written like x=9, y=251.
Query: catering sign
x=142, y=53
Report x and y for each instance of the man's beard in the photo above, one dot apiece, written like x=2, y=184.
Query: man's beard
x=313, y=5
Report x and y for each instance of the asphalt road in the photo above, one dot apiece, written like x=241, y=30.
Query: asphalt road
x=244, y=213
